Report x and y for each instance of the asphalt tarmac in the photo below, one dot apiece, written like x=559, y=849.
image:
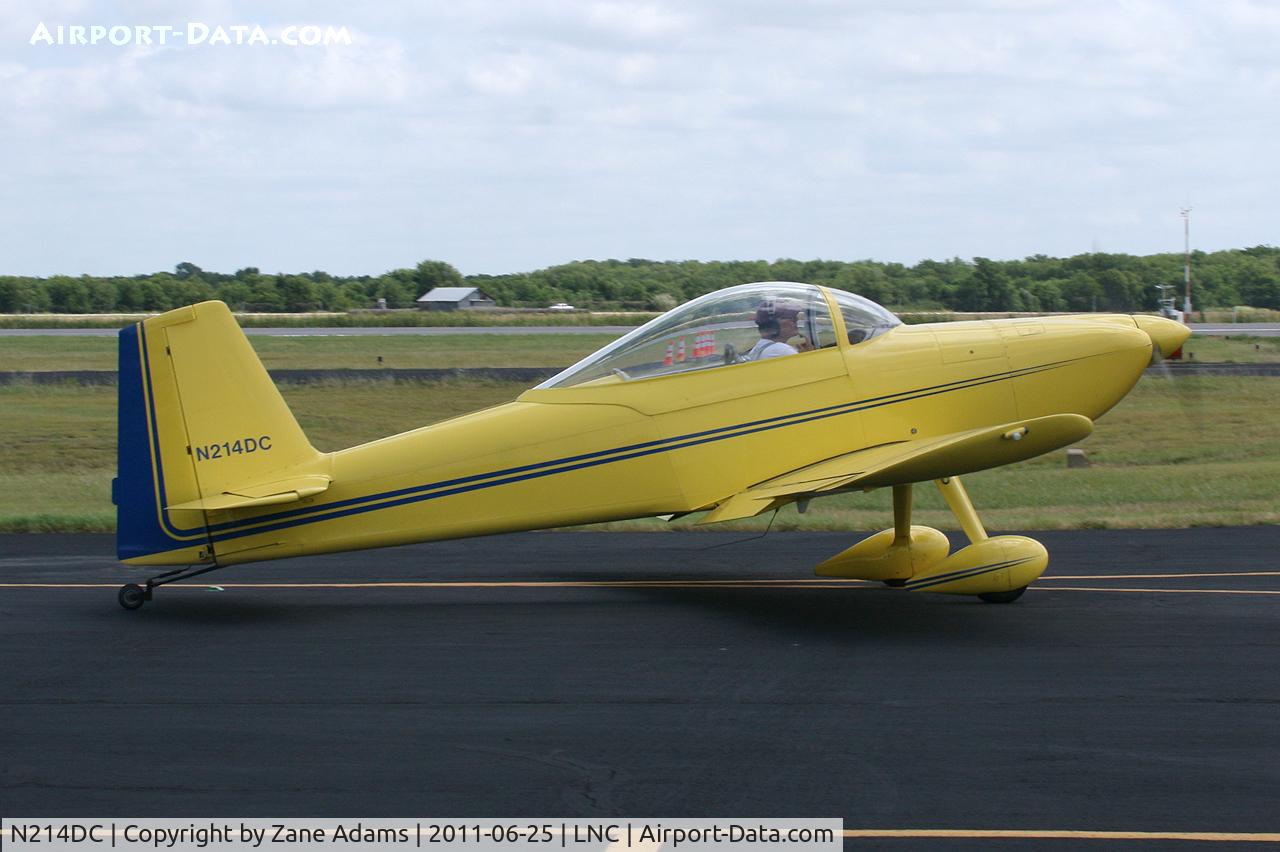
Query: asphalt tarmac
x=1135, y=688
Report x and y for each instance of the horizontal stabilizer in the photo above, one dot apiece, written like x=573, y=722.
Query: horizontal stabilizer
x=904, y=462
x=265, y=494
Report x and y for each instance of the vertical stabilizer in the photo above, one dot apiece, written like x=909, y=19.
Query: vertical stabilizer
x=202, y=430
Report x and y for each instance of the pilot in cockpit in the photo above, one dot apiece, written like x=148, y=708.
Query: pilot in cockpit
x=779, y=326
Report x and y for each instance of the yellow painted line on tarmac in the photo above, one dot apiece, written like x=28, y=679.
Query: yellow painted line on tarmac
x=1159, y=576
x=60, y=586
x=1157, y=591
x=732, y=583
x=835, y=582
x=1031, y=834
x=847, y=585
x=514, y=584
x=551, y=584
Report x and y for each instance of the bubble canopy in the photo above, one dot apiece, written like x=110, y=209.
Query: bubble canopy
x=730, y=326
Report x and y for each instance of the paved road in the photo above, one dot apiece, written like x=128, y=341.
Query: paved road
x=1248, y=329
x=1257, y=329
x=645, y=675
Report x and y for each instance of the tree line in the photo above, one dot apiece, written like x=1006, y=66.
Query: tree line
x=1085, y=282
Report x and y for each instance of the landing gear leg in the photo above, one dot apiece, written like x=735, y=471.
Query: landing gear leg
x=901, y=525
x=962, y=507
x=133, y=596
x=1018, y=557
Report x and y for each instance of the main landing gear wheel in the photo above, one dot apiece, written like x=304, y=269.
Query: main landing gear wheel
x=1002, y=597
x=131, y=596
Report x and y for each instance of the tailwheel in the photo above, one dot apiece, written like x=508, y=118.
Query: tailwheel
x=1002, y=597
x=131, y=596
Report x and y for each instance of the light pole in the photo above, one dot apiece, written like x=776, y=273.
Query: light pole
x=1185, y=212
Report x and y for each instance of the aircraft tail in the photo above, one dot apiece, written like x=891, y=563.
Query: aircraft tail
x=202, y=434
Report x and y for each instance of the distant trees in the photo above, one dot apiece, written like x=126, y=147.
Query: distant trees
x=1104, y=282
x=22, y=295
x=436, y=273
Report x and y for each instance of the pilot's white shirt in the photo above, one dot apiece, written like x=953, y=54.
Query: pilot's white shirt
x=770, y=349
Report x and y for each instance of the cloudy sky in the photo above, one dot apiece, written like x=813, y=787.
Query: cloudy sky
x=502, y=136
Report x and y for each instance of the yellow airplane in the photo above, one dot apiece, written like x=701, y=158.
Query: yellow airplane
x=736, y=403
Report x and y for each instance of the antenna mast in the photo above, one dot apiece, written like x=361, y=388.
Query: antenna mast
x=1185, y=213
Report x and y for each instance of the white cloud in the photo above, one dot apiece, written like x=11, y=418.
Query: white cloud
x=715, y=129
x=501, y=75
x=641, y=21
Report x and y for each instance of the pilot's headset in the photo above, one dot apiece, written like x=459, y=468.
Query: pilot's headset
x=770, y=311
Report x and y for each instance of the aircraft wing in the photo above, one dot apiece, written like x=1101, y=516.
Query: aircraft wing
x=908, y=461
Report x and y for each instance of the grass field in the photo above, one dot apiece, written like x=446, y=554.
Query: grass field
x=1236, y=350
x=1177, y=452
x=463, y=350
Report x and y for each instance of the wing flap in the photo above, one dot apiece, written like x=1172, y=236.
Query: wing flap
x=909, y=461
